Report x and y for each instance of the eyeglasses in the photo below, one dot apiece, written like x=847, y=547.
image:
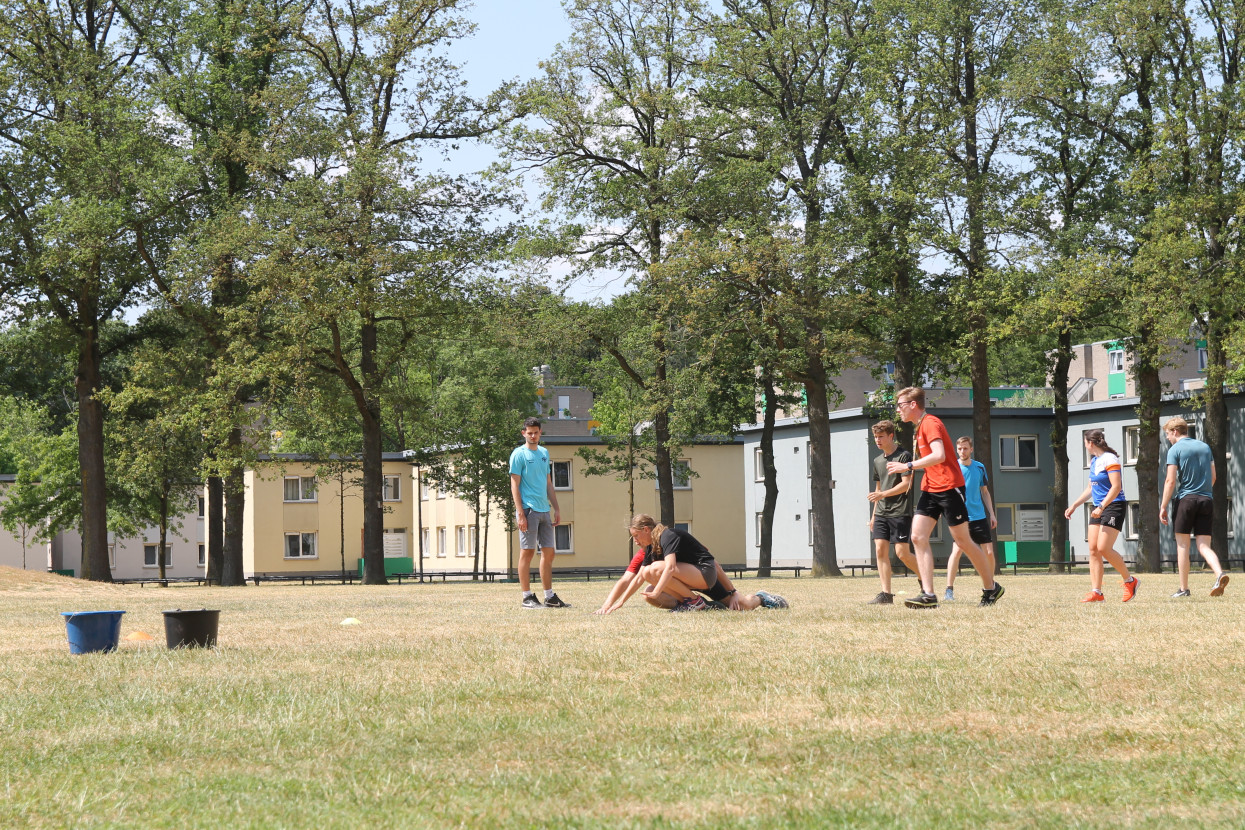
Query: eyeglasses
x=902, y=404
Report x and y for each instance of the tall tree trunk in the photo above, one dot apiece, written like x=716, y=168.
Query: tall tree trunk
x=661, y=429
x=1150, y=390
x=825, y=552
x=161, y=559
x=1059, y=446
x=341, y=515
x=231, y=572
x=770, y=470
x=87, y=383
x=215, y=530
x=373, y=471
x=1216, y=422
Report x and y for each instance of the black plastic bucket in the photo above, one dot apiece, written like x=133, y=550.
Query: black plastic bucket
x=191, y=629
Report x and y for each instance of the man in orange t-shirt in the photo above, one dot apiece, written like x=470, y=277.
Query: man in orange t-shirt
x=942, y=492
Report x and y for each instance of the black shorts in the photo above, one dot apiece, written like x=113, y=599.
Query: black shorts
x=1194, y=514
x=949, y=503
x=897, y=529
x=709, y=571
x=1112, y=515
x=979, y=532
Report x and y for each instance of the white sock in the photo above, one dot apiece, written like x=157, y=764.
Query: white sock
x=548, y=593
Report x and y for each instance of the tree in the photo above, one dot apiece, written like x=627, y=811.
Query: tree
x=368, y=256
x=85, y=164
x=610, y=135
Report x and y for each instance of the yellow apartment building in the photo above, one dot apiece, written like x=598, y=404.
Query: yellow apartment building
x=294, y=522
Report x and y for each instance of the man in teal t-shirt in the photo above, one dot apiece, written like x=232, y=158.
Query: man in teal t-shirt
x=531, y=487
x=1191, y=478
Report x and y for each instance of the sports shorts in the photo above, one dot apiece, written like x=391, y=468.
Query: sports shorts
x=897, y=529
x=539, y=533
x=949, y=503
x=1194, y=514
x=1112, y=516
x=979, y=531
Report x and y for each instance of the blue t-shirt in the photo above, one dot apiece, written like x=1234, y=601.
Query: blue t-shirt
x=532, y=468
x=974, y=479
x=1193, y=460
x=1100, y=481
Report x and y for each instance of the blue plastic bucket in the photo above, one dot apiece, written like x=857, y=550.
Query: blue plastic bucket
x=92, y=630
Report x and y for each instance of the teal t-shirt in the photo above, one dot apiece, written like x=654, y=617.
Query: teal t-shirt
x=1193, y=460
x=532, y=468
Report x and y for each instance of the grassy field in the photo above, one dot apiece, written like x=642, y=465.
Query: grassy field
x=451, y=706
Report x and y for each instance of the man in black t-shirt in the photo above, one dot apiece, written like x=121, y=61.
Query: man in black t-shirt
x=890, y=522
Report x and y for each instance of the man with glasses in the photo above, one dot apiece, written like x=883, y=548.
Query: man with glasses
x=942, y=492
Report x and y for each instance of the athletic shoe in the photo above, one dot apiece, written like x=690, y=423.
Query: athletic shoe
x=532, y=602
x=949, y=596
x=769, y=600
x=1130, y=589
x=1183, y=592
x=993, y=595
x=882, y=598
x=922, y=600
x=692, y=603
x=714, y=605
x=1094, y=596
x=555, y=602
x=1220, y=584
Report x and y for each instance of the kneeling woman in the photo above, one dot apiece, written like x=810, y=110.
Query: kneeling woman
x=676, y=565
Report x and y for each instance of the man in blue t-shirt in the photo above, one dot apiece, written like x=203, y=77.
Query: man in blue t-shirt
x=531, y=487
x=1190, y=477
x=981, y=518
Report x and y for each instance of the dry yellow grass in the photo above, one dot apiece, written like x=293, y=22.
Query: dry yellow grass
x=451, y=706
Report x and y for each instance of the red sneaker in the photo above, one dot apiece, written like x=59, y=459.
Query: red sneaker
x=1130, y=589
x=1094, y=596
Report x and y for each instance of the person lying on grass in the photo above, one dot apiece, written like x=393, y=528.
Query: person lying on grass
x=677, y=569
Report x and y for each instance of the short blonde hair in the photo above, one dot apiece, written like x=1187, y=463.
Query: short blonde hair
x=1177, y=425
x=913, y=393
x=964, y=439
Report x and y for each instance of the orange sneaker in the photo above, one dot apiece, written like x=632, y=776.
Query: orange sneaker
x=1130, y=589
x=1094, y=596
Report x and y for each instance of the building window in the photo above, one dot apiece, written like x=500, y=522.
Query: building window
x=1132, y=444
x=562, y=475
x=1228, y=518
x=563, y=539
x=392, y=490
x=300, y=545
x=149, y=556
x=202, y=555
x=460, y=539
x=1006, y=515
x=808, y=459
x=112, y=556
x=1115, y=360
x=423, y=489
x=440, y=541
x=686, y=527
x=810, y=526
x=757, y=543
x=758, y=465
x=442, y=490
x=300, y=488
x=202, y=507
x=681, y=473
x=564, y=406
x=425, y=541
x=472, y=539
x=1018, y=452
x=1203, y=359
x=1132, y=521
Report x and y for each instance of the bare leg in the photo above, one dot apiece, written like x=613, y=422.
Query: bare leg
x=546, y=568
x=1095, y=558
x=922, y=526
x=881, y=549
x=988, y=547
x=975, y=554
x=953, y=565
x=1182, y=559
x=525, y=568
x=1212, y=558
x=1106, y=550
x=904, y=551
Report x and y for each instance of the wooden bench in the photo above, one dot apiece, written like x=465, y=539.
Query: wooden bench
x=143, y=581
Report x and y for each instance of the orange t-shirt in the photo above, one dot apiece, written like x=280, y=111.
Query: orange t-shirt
x=940, y=477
